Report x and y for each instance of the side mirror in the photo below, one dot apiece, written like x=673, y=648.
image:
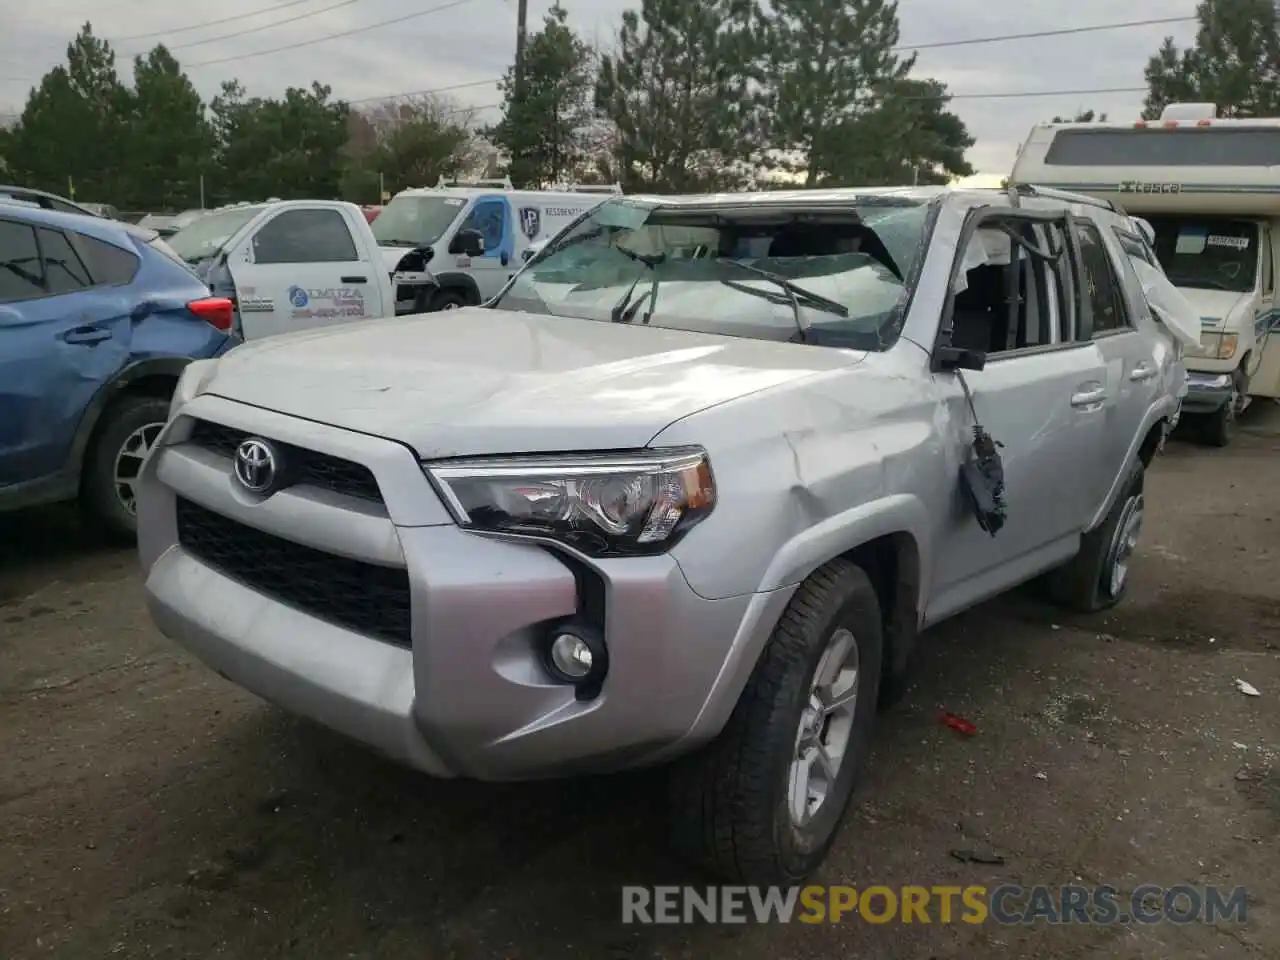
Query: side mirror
x=528, y=254
x=467, y=243
x=958, y=358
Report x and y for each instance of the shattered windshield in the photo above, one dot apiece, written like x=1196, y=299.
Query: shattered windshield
x=833, y=275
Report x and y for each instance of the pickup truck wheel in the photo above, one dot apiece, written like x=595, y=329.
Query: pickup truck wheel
x=1098, y=576
x=124, y=438
x=446, y=300
x=763, y=802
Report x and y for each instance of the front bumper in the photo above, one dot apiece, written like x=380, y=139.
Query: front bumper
x=466, y=695
x=1206, y=392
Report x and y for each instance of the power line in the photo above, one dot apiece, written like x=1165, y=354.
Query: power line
x=334, y=36
x=1038, y=34
x=211, y=23
x=1036, y=93
x=971, y=41
x=266, y=26
x=425, y=93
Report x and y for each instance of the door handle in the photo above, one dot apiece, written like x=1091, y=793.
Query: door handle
x=86, y=335
x=505, y=258
x=1088, y=396
x=1143, y=371
x=354, y=279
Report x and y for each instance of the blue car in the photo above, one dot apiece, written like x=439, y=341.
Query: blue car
x=97, y=320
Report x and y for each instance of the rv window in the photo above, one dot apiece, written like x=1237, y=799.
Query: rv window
x=1102, y=287
x=1153, y=147
x=1268, y=277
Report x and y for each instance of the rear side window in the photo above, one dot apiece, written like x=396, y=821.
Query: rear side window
x=21, y=275
x=108, y=264
x=305, y=236
x=63, y=271
x=1102, y=286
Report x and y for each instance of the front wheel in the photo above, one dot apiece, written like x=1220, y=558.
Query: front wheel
x=446, y=300
x=1219, y=428
x=762, y=803
x=124, y=439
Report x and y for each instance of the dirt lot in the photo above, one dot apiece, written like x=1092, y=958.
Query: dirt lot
x=149, y=809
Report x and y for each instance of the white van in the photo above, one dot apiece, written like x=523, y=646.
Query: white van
x=288, y=265
x=1210, y=189
x=427, y=235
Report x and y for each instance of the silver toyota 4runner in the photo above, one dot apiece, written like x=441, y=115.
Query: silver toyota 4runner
x=685, y=490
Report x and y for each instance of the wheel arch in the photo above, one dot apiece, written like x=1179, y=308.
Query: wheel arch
x=888, y=539
x=463, y=283
x=153, y=376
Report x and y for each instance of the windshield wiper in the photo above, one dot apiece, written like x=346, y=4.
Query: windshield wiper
x=400, y=243
x=621, y=312
x=796, y=293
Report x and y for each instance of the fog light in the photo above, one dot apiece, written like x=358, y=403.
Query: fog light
x=571, y=657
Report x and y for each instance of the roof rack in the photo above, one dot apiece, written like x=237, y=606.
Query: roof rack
x=1031, y=190
x=609, y=188
x=493, y=184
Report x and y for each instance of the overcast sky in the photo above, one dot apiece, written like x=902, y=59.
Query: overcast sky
x=472, y=42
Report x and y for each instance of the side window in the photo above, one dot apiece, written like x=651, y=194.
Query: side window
x=1268, y=270
x=63, y=271
x=108, y=264
x=21, y=276
x=305, y=236
x=489, y=218
x=1102, y=287
x=1014, y=299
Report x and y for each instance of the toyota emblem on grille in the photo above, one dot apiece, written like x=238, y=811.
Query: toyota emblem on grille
x=256, y=466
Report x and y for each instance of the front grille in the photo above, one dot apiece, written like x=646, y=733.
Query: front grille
x=368, y=599
x=307, y=466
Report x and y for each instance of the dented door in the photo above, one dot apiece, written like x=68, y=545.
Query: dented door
x=56, y=353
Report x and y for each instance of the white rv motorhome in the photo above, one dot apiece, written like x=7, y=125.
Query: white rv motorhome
x=1210, y=190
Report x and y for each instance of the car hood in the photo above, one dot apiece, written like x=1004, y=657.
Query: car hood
x=1214, y=306
x=477, y=381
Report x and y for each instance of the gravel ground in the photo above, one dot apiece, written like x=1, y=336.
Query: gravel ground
x=149, y=809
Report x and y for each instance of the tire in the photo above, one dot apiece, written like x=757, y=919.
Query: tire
x=126, y=430
x=1219, y=428
x=446, y=300
x=1097, y=578
x=731, y=802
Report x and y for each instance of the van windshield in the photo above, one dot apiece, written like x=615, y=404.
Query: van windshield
x=204, y=237
x=415, y=220
x=836, y=275
x=1207, y=253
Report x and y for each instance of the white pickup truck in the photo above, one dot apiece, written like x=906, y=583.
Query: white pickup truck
x=289, y=264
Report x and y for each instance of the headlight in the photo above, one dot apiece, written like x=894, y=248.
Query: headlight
x=195, y=376
x=607, y=505
x=1218, y=346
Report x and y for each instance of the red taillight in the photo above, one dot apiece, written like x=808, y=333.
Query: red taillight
x=218, y=312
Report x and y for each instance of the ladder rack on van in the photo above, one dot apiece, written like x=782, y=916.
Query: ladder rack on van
x=609, y=188
x=493, y=184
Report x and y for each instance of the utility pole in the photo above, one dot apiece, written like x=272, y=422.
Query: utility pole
x=522, y=17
